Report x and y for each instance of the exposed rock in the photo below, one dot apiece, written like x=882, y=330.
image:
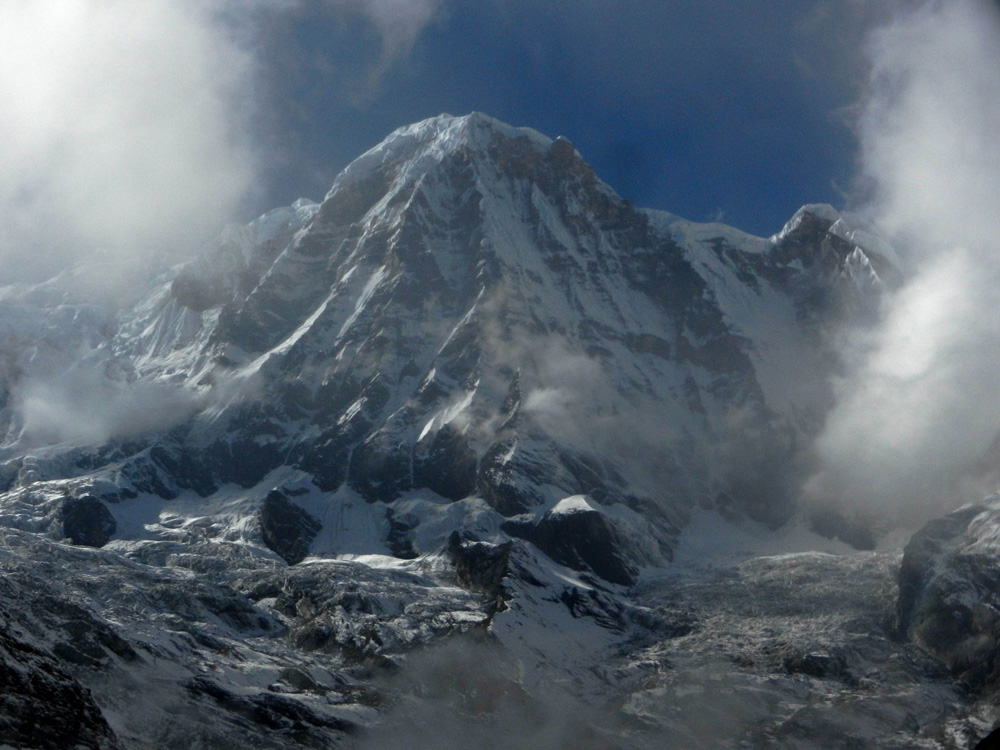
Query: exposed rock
x=581, y=539
x=815, y=665
x=87, y=522
x=299, y=679
x=400, y=539
x=42, y=706
x=80, y=637
x=286, y=528
x=562, y=151
x=447, y=466
x=830, y=523
x=508, y=478
x=362, y=614
x=989, y=742
x=949, y=594
x=285, y=718
x=480, y=566
x=380, y=469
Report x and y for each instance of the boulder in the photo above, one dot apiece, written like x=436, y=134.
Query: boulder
x=949, y=592
x=87, y=522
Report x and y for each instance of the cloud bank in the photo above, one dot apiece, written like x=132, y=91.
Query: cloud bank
x=922, y=403
x=132, y=129
x=125, y=129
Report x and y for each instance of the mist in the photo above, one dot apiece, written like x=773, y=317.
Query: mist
x=130, y=135
x=921, y=401
x=125, y=131
x=467, y=692
x=86, y=407
x=136, y=131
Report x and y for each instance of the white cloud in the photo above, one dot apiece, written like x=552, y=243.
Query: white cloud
x=121, y=131
x=930, y=124
x=128, y=127
x=924, y=402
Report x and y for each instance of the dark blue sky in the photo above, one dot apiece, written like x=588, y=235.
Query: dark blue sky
x=731, y=109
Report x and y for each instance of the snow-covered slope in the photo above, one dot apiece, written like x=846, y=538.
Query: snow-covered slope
x=472, y=394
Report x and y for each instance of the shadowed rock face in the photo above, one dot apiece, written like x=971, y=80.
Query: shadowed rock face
x=286, y=528
x=582, y=540
x=989, y=742
x=42, y=706
x=87, y=522
x=275, y=713
x=480, y=566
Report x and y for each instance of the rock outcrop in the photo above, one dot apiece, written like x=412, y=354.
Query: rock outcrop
x=949, y=592
x=286, y=528
x=87, y=522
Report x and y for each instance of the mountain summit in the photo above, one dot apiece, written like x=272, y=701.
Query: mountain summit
x=472, y=316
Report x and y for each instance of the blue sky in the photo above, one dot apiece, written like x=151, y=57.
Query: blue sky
x=731, y=109
x=138, y=130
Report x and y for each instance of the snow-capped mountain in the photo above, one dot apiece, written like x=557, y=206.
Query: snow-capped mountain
x=472, y=313
x=474, y=399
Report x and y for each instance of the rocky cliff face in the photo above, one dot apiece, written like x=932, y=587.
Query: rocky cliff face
x=474, y=393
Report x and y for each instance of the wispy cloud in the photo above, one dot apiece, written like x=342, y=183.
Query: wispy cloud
x=399, y=24
x=923, y=401
x=124, y=129
x=398, y=21
x=130, y=128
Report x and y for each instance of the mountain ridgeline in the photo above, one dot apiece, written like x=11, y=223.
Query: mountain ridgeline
x=471, y=313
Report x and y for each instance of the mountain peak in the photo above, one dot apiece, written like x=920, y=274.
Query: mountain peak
x=429, y=141
x=810, y=217
x=473, y=129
